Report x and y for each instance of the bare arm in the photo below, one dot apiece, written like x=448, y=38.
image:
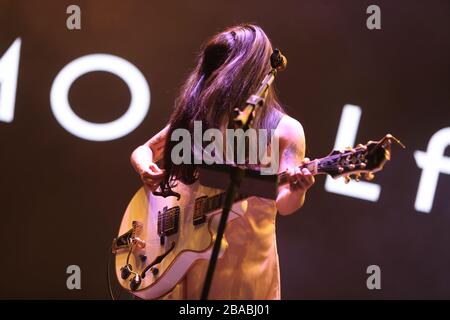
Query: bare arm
x=291, y=197
x=144, y=158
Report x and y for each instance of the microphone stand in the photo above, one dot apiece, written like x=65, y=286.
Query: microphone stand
x=243, y=119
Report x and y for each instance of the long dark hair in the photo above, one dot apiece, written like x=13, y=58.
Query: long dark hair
x=230, y=67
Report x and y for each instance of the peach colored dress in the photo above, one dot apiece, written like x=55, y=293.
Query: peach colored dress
x=249, y=268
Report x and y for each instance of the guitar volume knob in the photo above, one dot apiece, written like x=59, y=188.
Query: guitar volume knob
x=125, y=271
x=135, y=282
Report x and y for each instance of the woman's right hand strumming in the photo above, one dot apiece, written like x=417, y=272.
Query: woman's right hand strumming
x=144, y=160
x=151, y=176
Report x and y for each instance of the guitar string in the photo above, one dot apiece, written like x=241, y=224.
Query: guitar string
x=214, y=202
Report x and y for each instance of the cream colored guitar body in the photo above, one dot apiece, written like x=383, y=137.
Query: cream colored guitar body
x=181, y=249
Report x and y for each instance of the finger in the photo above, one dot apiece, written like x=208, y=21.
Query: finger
x=307, y=180
x=306, y=172
x=305, y=160
x=153, y=175
x=300, y=179
x=154, y=168
x=151, y=182
x=289, y=172
x=300, y=185
x=292, y=178
x=293, y=175
x=295, y=185
x=293, y=172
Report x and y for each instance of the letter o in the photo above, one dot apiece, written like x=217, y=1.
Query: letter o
x=130, y=120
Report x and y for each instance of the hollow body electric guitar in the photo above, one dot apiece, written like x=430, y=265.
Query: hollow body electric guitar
x=160, y=238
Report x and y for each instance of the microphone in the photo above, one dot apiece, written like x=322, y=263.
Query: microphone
x=277, y=60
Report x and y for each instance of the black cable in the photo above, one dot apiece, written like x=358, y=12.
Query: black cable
x=108, y=275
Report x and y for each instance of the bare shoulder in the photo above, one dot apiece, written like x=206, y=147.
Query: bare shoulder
x=290, y=132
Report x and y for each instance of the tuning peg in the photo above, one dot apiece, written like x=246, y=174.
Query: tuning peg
x=387, y=154
x=351, y=166
x=357, y=177
x=369, y=176
x=361, y=146
x=347, y=179
x=362, y=165
x=340, y=169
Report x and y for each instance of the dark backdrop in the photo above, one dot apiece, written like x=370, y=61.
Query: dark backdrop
x=62, y=197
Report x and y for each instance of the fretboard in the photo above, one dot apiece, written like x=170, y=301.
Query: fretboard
x=318, y=166
x=327, y=165
x=314, y=166
x=216, y=202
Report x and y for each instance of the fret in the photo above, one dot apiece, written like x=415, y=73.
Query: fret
x=201, y=205
x=210, y=206
x=321, y=164
x=217, y=201
x=205, y=205
x=168, y=221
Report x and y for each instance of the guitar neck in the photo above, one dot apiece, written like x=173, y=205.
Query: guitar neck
x=325, y=165
x=215, y=202
x=363, y=159
x=317, y=166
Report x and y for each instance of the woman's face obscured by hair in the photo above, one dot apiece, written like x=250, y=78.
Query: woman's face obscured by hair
x=245, y=46
x=230, y=68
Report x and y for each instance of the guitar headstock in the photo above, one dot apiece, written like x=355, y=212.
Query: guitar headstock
x=352, y=163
